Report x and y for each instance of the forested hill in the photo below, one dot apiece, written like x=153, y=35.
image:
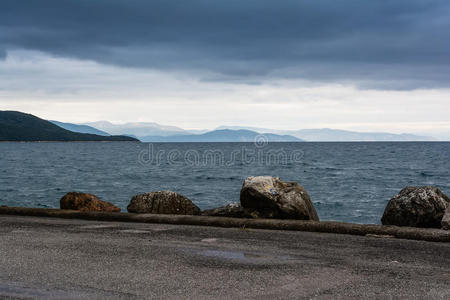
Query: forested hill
x=18, y=126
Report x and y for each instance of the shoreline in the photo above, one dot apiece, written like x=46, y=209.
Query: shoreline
x=410, y=233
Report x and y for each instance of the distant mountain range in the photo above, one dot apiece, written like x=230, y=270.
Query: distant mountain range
x=18, y=126
x=137, y=129
x=155, y=132
x=80, y=128
x=337, y=135
x=225, y=135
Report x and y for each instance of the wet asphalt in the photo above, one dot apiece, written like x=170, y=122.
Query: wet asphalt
x=47, y=258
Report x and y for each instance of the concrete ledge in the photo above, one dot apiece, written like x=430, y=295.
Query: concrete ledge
x=424, y=234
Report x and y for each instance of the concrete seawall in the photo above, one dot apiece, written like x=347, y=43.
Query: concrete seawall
x=425, y=234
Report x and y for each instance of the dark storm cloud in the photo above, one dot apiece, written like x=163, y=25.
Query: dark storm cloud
x=379, y=43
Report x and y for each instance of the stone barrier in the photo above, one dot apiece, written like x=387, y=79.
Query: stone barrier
x=424, y=234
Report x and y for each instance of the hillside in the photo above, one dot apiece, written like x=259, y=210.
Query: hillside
x=225, y=135
x=18, y=126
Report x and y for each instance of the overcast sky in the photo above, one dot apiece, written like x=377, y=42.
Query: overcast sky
x=375, y=65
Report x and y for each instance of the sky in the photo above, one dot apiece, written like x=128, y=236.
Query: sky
x=378, y=65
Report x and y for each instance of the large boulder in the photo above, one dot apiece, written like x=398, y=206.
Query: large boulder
x=445, y=223
x=233, y=210
x=416, y=207
x=273, y=198
x=86, y=202
x=163, y=202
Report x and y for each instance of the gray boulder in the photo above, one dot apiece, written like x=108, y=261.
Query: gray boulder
x=163, y=202
x=272, y=198
x=416, y=207
x=445, y=223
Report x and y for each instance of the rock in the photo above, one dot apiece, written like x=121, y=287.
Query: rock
x=273, y=198
x=234, y=210
x=86, y=202
x=445, y=223
x=416, y=207
x=163, y=202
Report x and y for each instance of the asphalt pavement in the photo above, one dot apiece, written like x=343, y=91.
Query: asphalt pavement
x=52, y=258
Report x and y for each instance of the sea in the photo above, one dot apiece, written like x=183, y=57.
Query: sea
x=347, y=181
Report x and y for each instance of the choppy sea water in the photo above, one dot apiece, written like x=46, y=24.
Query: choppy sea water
x=349, y=182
